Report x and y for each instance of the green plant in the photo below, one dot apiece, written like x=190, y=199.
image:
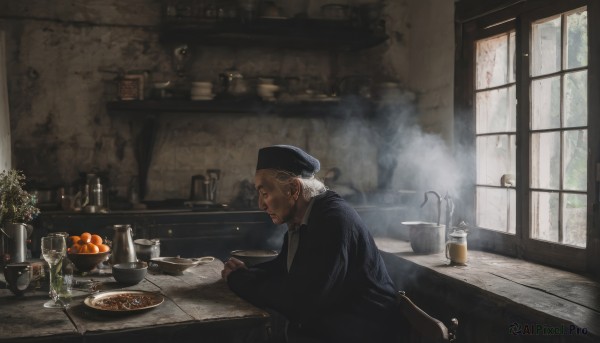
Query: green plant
x=16, y=204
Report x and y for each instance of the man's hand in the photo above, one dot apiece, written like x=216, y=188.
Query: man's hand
x=231, y=265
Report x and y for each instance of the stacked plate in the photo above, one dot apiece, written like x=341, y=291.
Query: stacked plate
x=201, y=90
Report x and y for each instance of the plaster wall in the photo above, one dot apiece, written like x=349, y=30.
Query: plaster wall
x=63, y=58
x=431, y=60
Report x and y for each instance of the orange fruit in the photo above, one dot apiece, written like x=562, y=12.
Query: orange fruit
x=74, y=239
x=86, y=237
x=74, y=249
x=103, y=248
x=89, y=248
x=96, y=239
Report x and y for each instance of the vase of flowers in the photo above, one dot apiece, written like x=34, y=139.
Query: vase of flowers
x=17, y=208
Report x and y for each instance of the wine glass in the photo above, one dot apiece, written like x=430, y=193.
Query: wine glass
x=54, y=250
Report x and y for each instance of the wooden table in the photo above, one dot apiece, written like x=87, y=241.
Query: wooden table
x=198, y=306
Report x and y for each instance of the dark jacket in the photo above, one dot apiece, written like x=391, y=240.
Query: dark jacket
x=337, y=286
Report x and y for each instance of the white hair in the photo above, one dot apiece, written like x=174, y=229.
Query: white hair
x=311, y=186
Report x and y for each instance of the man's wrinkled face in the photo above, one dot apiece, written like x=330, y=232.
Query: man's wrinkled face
x=273, y=198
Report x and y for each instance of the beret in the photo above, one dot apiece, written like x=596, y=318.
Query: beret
x=288, y=158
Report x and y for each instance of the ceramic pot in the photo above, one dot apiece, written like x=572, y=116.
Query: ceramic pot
x=426, y=238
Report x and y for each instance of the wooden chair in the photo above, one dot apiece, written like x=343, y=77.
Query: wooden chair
x=425, y=328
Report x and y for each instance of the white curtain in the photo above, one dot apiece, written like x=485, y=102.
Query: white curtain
x=5, y=147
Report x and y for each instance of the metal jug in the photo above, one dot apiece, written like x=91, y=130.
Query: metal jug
x=93, y=200
x=204, y=187
x=122, y=245
x=14, y=241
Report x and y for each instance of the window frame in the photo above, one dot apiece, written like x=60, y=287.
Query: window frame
x=519, y=16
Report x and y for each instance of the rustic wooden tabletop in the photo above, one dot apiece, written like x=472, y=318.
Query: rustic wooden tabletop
x=196, y=303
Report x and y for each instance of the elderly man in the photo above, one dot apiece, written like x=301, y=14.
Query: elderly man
x=329, y=279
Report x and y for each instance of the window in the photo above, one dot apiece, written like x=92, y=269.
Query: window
x=558, y=128
x=527, y=106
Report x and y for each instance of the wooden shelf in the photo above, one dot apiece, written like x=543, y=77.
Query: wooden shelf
x=339, y=108
x=291, y=33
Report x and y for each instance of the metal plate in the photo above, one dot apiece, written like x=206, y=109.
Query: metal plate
x=123, y=301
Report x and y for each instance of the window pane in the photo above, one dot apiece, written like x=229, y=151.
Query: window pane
x=545, y=46
x=496, y=209
x=512, y=69
x=575, y=222
x=495, y=157
x=492, y=62
x=545, y=160
x=577, y=40
x=496, y=110
x=575, y=160
x=576, y=99
x=545, y=103
x=544, y=216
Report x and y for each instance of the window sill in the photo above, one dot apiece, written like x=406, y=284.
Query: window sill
x=532, y=293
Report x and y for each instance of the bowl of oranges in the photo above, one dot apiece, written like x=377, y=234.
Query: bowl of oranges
x=87, y=250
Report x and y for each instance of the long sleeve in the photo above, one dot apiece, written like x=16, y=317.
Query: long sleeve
x=337, y=271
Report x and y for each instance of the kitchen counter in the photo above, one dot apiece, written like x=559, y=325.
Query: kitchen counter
x=196, y=304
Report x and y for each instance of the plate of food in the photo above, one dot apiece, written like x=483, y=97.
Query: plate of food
x=123, y=301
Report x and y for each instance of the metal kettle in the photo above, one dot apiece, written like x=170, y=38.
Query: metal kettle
x=204, y=187
x=122, y=245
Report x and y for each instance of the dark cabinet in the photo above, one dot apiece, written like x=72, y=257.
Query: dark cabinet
x=183, y=233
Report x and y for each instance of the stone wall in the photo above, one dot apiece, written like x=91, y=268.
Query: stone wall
x=63, y=58
x=5, y=154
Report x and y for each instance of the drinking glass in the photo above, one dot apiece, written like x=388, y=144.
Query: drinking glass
x=54, y=250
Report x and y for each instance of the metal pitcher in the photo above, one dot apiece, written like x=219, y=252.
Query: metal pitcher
x=14, y=241
x=122, y=245
x=204, y=187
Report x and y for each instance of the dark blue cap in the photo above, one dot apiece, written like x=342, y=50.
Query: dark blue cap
x=288, y=158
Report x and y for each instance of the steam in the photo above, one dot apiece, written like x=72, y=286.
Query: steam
x=419, y=161
x=410, y=162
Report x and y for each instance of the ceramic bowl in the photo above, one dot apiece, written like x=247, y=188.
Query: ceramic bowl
x=87, y=262
x=129, y=273
x=254, y=257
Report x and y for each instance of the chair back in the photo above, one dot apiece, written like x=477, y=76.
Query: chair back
x=425, y=328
